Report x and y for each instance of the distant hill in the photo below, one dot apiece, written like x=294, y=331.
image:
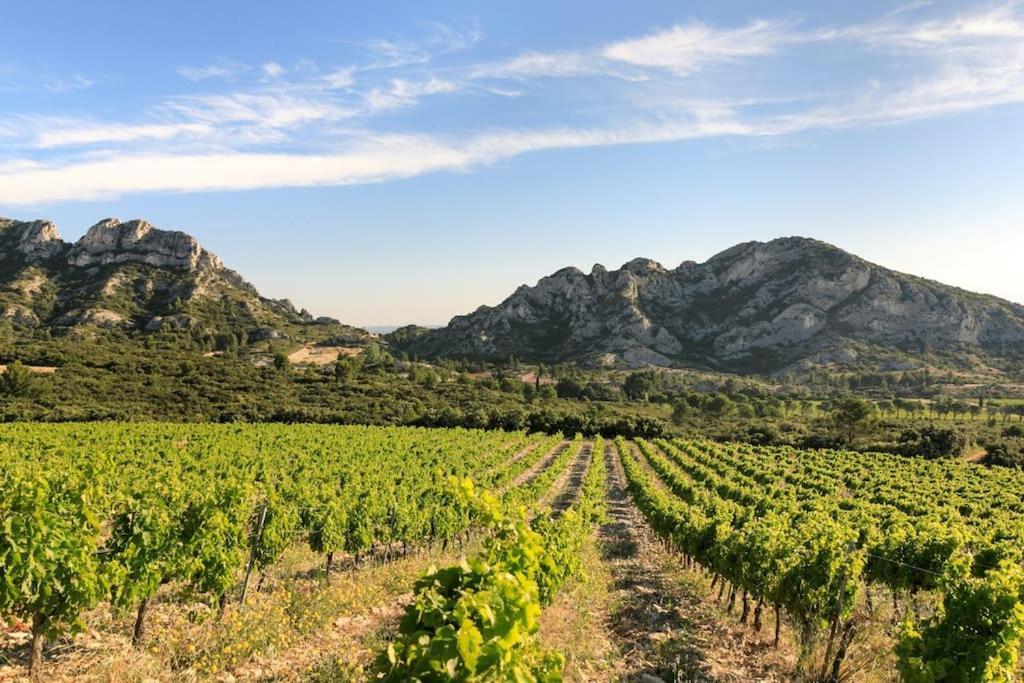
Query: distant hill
x=787, y=305
x=133, y=277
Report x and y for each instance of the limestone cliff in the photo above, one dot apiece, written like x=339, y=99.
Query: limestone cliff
x=130, y=276
x=771, y=306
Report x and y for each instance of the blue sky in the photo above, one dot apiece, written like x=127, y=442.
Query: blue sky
x=394, y=162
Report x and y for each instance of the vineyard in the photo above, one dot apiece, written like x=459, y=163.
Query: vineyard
x=447, y=546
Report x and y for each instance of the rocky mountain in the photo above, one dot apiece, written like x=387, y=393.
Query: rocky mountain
x=132, y=276
x=783, y=305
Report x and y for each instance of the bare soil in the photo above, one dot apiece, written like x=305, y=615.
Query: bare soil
x=660, y=617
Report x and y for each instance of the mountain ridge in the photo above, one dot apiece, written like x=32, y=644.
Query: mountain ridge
x=776, y=306
x=132, y=276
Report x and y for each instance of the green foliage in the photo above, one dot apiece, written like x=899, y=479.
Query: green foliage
x=932, y=442
x=1005, y=453
x=852, y=416
x=145, y=548
x=280, y=521
x=213, y=533
x=18, y=381
x=680, y=411
x=975, y=636
x=639, y=385
x=477, y=621
x=805, y=530
x=50, y=533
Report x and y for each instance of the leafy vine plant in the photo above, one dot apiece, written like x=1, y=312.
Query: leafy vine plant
x=477, y=620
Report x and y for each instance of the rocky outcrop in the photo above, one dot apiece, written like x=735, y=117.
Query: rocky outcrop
x=33, y=241
x=100, y=317
x=263, y=334
x=177, y=322
x=756, y=306
x=133, y=276
x=111, y=241
x=19, y=316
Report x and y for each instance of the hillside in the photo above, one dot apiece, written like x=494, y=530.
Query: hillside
x=790, y=304
x=135, y=278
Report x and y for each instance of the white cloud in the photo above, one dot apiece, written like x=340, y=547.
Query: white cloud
x=271, y=109
x=260, y=134
x=538, y=64
x=340, y=78
x=685, y=48
x=979, y=28
x=374, y=159
x=682, y=49
x=381, y=159
x=90, y=135
x=404, y=93
x=445, y=38
x=273, y=70
x=216, y=70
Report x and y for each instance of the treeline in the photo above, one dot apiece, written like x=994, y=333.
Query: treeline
x=132, y=382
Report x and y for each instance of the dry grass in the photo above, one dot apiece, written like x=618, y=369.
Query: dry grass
x=41, y=369
x=576, y=623
x=296, y=624
x=322, y=355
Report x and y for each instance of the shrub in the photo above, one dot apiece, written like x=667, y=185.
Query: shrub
x=933, y=442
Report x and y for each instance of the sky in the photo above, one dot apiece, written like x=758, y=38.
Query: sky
x=404, y=162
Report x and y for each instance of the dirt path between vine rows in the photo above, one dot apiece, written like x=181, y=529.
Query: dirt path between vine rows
x=539, y=466
x=566, y=488
x=352, y=641
x=522, y=453
x=659, y=619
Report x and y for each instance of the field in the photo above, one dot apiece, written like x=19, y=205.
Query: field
x=292, y=552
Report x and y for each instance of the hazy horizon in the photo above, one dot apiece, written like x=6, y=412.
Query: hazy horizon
x=402, y=164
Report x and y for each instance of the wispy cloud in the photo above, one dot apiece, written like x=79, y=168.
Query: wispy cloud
x=685, y=48
x=220, y=69
x=69, y=84
x=78, y=135
x=272, y=109
x=294, y=123
x=404, y=93
x=340, y=78
x=373, y=159
x=539, y=64
x=981, y=28
x=273, y=70
x=440, y=39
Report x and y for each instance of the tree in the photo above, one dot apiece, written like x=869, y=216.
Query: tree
x=546, y=391
x=639, y=385
x=281, y=362
x=569, y=388
x=852, y=416
x=345, y=369
x=679, y=412
x=719, y=404
x=1006, y=452
x=933, y=442
x=19, y=382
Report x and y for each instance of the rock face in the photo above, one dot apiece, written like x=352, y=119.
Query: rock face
x=33, y=241
x=111, y=241
x=754, y=307
x=131, y=276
